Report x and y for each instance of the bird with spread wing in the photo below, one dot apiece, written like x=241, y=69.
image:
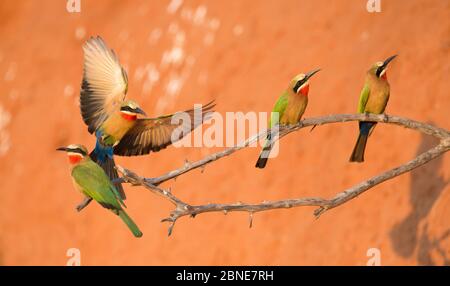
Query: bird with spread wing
x=114, y=120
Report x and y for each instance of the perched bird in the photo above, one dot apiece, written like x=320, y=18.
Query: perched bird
x=373, y=99
x=115, y=120
x=90, y=179
x=288, y=110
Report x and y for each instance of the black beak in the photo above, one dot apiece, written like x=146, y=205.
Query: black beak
x=62, y=149
x=388, y=60
x=308, y=75
x=140, y=111
x=385, y=64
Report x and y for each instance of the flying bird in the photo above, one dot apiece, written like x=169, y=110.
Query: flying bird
x=373, y=99
x=288, y=110
x=115, y=121
x=91, y=180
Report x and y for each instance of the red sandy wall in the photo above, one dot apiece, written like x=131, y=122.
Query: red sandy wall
x=243, y=54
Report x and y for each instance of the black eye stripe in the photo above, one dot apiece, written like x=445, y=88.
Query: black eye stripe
x=379, y=70
x=127, y=108
x=298, y=85
x=78, y=150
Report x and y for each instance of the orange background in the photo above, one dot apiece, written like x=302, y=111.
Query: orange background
x=243, y=54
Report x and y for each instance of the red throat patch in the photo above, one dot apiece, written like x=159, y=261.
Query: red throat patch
x=304, y=91
x=384, y=76
x=74, y=159
x=129, y=117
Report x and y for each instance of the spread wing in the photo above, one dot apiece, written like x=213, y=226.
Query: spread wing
x=154, y=134
x=104, y=84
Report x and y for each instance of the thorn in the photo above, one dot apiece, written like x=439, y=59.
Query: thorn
x=318, y=212
x=186, y=163
x=169, y=231
x=172, y=224
x=225, y=212
x=250, y=220
x=314, y=126
x=202, y=169
x=193, y=215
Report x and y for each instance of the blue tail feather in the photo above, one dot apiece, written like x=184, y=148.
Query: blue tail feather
x=364, y=131
x=103, y=155
x=102, y=152
x=365, y=127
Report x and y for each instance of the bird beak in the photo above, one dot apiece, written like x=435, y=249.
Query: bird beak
x=62, y=149
x=387, y=61
x=311, y=73
x=140, y=111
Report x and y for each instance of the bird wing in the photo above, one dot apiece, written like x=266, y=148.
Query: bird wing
x=154, y=134
x=365, y=92
x=104, y=84
x=93, y=181
x=280, y=107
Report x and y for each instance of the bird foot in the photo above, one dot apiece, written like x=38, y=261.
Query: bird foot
x=83, y=204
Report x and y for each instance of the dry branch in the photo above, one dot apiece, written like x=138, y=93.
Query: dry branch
x=184, y=209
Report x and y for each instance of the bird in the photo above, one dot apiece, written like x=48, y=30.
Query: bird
x=373, y=99
x=114, y=120
x=288, y=110
x=92, y=181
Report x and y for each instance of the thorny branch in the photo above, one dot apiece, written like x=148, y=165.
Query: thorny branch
x=184, y=209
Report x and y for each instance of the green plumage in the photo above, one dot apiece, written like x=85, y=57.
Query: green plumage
x=93, y=182
x=363, y=97
x=275, y=116
x=278, y=109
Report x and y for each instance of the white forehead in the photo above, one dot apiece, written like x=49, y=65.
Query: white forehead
x=379, y=64
x=132, y=104
x=73, y=146
x=299, y=77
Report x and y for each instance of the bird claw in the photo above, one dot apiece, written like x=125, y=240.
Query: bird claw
x=83, y=204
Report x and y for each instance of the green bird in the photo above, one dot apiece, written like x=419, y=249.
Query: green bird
x=288, y=110
x=373, y=99
x=91, y=180
x=114, y=120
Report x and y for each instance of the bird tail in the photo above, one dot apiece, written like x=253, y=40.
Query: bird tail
x=130, y=223
x=264, y=155
x=103, y=155
x=360, y=146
